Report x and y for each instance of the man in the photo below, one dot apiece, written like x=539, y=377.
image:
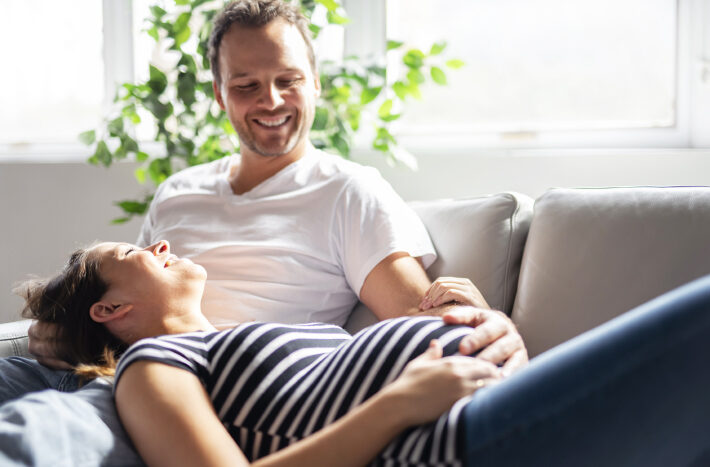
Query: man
x=286, y=233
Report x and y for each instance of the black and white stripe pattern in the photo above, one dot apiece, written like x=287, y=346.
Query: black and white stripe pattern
x=274, y=384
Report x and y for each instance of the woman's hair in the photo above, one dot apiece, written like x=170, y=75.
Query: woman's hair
x=65, y=300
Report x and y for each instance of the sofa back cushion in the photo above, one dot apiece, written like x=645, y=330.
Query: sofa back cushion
x=480, y=238
x=593, y=254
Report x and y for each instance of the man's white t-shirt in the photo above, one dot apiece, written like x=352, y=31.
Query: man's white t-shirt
x=296, y=248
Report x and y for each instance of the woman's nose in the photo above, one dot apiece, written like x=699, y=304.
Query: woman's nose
x=162, y=246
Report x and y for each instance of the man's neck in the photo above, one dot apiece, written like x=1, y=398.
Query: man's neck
x=255, y=168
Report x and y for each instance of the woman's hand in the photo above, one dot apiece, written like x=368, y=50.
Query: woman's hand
x=44, y=344
x=430, y=384
x=452, y=289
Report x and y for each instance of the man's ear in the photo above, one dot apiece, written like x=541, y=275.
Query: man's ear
x=316, y=77
x=217, y=94
x=103, y=312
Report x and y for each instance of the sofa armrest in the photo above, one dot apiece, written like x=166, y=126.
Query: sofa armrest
x=13, y=338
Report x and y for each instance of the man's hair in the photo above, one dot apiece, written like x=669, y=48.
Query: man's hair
x=256, y=13
x=65, y=300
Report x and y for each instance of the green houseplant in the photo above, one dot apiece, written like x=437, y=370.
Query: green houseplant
x=190, y=128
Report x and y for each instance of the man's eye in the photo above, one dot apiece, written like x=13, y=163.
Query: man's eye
x=130, y=250
x=288, y=82
x=245, y=87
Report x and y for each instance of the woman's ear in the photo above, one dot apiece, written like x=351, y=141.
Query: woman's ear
x=103, y=312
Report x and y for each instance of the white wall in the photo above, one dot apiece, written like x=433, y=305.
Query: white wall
x=48, y=210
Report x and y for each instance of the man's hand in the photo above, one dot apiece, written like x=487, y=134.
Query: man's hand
x=494, y=333
x=44, y=345
x=453, y=289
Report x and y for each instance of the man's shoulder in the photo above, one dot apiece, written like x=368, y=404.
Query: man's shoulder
x=202, y=178
x=336, y=167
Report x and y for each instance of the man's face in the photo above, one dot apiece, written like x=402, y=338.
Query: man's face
x=267, y=88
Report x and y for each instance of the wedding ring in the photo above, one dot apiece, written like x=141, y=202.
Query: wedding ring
x=480, y=383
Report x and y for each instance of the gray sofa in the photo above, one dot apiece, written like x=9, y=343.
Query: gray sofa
x=559, y=265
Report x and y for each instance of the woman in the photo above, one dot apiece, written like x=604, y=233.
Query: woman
x=631, y=392
x=271, y=384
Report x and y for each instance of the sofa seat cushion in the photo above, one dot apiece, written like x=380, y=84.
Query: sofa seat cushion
x=593, y=254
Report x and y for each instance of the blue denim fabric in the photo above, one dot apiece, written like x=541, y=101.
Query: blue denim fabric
x=52, y=428
x=20, y=375
x=632, y=392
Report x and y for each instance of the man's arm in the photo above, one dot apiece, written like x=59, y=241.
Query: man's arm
x=396, y=287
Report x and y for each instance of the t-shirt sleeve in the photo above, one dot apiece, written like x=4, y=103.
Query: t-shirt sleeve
x=372, y=222
x=182, y=353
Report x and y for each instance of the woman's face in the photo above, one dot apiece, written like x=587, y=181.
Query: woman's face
x=151, y=275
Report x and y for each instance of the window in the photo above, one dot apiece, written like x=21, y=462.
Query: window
x=558, y=73
x=52, y=84
x=546, y=64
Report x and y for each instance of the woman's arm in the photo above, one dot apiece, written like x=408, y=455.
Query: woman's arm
x=170, y=418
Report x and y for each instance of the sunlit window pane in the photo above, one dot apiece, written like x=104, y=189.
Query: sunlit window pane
x=52, y=80
x=543, y=64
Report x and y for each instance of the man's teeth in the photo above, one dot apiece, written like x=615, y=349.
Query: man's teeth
x=272, y=123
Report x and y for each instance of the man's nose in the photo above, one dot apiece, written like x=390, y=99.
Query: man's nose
x=271, y=97
x=162, y=246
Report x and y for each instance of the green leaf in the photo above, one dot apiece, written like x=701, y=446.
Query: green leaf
x=414, y=58
x=186, y=88
x=320, y=121
x=391, y=45
x=438, y=75
x=314, y=29
x=455, y=63
x=369, y=94
x=102, y=155
x=158, y=81
x=132, y=207
x=88, y=137
x=390, y=118
x=141, y=156
x=158, y=109
x=182, y=2
x=130, y=113
x=153, y=32
x=159, y=170
x=129, y=144
x=331, y=5
x=140, y=174
x=416, y=76
x=335, y=18
x=157, y=12
x=182, y=36
x=115, y=126
x=120, y=220
x=413, y=89
x=437, y=48
x=340, y=144
x=385, y=109
x=400, y=90
x=378, y=70
x=187, y=62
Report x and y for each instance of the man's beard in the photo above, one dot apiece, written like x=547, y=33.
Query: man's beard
x=248, y=138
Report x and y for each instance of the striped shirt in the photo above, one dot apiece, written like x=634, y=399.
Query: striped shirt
x=274, y=384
